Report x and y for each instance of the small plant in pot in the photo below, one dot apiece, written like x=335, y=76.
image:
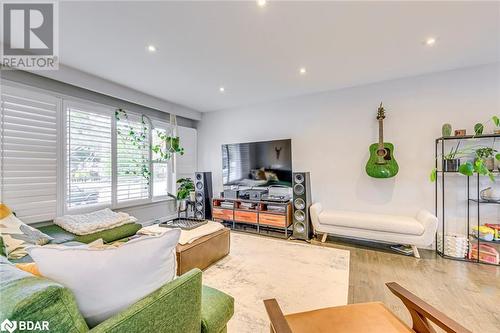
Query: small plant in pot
x=184, y=187
x=487, y=155
x=451, y=162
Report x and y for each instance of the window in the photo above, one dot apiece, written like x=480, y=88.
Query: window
x=133, y=158
x=160, y=166
x=67, y=156
x=186, y=165
x=88, y=156
x=29, y=153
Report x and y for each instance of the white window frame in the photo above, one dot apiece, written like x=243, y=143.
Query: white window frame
x=170, y=165
x=93, y=107
x=129, y=203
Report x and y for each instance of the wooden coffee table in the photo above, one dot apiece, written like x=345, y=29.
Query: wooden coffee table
x=203, y=252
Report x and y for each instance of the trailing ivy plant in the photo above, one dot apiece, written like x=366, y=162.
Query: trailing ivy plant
x=139, y=138
x=478, y=165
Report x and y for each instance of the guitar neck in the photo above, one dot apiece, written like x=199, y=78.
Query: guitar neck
x=381, y=133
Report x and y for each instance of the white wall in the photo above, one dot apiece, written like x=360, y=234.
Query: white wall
x=331, y=132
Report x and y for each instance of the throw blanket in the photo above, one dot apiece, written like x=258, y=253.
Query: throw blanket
x=187, y=236
x=85, y=224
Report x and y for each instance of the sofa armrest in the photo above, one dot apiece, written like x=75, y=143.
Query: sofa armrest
x=175, y=307
x=430, y=222
x=315, y=210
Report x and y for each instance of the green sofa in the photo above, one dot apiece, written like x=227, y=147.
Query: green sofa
x=183, y=305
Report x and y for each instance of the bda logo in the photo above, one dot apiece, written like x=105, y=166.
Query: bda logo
x=8, y=325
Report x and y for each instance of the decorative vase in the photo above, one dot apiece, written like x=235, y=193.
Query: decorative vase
x=182, y=205
x=192, y=196
x=489, y=163
x=491, y=193
x=451, y=165
x=478, y=129
x=446, y=130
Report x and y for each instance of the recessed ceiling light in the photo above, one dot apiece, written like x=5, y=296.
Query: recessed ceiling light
x=222, y=89
x=303, y=71
x=431, y=41
x=151, y=48
x=261, y=3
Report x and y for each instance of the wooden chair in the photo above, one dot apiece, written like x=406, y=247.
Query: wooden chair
x=364, y=317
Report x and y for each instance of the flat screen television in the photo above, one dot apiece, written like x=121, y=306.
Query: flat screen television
x=257, y=164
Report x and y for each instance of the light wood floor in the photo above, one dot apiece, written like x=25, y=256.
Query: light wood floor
x=467, y=292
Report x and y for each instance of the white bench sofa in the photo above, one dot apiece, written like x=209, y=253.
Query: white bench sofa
x=416, y=231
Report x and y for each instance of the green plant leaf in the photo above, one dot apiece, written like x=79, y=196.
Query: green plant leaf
x=433, y=175
x=491, y=175
x=466, y=169
x=497, y=156
x=496, y=120
x=480, y=168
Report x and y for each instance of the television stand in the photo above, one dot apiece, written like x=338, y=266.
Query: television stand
x=266, y=217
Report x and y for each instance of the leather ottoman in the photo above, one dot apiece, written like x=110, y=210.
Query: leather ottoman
x=203, y=252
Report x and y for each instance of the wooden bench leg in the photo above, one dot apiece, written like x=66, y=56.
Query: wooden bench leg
x=415, y=251
x=323, y=239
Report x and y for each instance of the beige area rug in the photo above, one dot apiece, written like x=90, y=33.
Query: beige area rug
x=300, y=276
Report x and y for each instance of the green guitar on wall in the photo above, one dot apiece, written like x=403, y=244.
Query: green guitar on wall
x=381, y=163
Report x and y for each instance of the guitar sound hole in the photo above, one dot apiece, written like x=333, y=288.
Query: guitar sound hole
x=382, y=152
x=387, y=155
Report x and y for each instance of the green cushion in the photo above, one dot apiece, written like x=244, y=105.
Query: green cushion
x=26, y=297
x=216, y=310
x=174, y=308
x=58, y=234
x=61, y=236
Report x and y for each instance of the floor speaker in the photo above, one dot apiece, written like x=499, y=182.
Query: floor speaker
x=302, y=228
x=203, y=195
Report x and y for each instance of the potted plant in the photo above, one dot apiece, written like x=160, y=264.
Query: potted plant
x=184, y=187
x=487, y=155
x=451, y=162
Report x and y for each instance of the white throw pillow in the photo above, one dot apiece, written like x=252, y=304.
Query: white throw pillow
x=107, y=281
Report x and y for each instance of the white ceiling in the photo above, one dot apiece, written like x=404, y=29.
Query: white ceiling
x=256, y=53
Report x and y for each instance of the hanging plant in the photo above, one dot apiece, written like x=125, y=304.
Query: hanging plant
x=169, y=143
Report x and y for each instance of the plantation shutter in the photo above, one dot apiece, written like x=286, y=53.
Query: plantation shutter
x=133, y=160
x=88, y=155
x=29, y=151
x=187, y=163
x=160, y=168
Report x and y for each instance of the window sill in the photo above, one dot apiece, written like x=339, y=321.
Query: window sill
x=125, y=205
